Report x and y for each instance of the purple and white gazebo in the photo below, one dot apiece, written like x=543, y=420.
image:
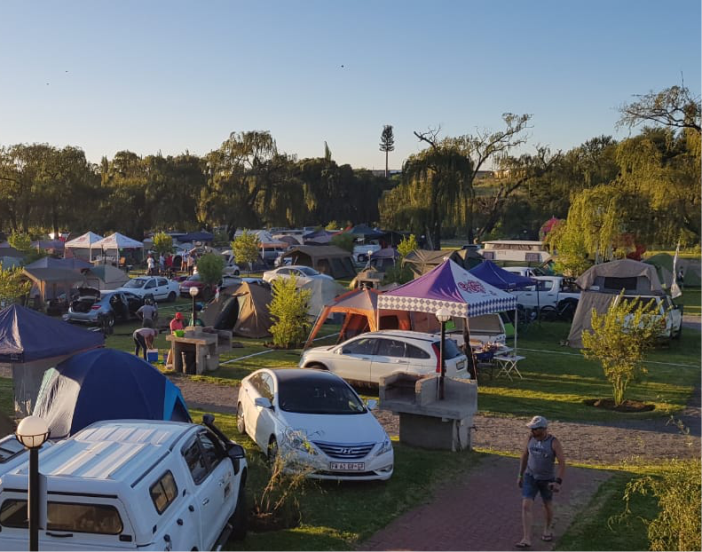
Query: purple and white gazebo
x=452, y=287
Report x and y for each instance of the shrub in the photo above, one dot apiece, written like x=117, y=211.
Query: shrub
x=210, y=267
x=344, y=241
x=619, y=339
x=245, y=248
x=407, y=245
x=163, y=243
x=289, y=310
x=678, y=491
x=12, y=286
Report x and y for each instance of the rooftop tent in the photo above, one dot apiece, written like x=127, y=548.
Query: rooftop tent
x=80, y=246
x=422, y=261
x=241, y=309
x=52, y=262
x=31, y=342
x=489, y=272
x=201, y=236
x=360, y=308
x=664, y=267
x=331, y=260
x=106, y=277
x=106, y=384
x=633, y=276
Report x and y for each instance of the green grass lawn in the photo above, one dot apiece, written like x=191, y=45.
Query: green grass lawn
x=339, y=516
x=557, y=379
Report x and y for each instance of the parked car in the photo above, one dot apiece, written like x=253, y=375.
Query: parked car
x=133, y=485
x=108, y=306
x=205, y=293
x=302, y=273
x=230, y=266
x=315, y=419
x=156, y=287
x=366, y=358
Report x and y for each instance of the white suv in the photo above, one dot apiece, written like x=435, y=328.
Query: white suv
x=370, y=356
x=131, y=485
x=667, y=310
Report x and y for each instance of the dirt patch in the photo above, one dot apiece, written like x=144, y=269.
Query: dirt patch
x=626, y=406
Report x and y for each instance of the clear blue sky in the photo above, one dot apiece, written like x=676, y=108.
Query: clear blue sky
x=171, y=76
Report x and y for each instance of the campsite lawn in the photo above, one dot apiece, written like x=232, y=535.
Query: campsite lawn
x=339, y=516
x=556, y=379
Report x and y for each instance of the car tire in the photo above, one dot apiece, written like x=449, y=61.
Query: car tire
x=272, y=451
x=236, y=273
x=110, y=320
x=240, y=422
x=149, y=296
x=172, y=297
x=678, y=334
x=239, y=519
x=548, y=314
x=317, y=366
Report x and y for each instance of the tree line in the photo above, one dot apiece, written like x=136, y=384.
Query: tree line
x=650, y=181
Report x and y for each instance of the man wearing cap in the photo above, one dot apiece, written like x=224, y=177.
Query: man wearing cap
x=537, y=476
x=177, y=322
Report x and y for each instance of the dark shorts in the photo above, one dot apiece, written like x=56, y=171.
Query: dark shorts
x=531, y=487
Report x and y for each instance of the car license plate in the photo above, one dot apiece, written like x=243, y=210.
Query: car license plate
x=347, y=466
x=460, y=365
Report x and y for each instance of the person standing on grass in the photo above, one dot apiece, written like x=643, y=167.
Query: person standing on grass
x=144, y=338
x=537, y=476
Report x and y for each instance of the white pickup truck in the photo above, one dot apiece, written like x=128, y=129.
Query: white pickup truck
x=131, y=485
x=552, y=293
x=666, y=309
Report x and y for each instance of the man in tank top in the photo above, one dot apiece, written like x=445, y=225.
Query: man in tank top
x=537, y=476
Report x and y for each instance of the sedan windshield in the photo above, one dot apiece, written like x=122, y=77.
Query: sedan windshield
x=317, y=397
x=135, y=283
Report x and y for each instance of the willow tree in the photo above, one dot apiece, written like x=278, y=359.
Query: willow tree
x=435, y=177
x=592, y=227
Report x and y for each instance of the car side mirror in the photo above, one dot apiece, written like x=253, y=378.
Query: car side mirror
x=236, y=453
x=371, y=404
x=263, y=402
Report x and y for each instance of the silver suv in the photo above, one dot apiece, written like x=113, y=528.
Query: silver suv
x=370, y=356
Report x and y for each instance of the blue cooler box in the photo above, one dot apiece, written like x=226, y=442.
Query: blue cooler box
x=152, y=355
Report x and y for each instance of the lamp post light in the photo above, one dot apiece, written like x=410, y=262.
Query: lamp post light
x=193, y=293
x=33, y=432
x=442, y=315
x=370, y=252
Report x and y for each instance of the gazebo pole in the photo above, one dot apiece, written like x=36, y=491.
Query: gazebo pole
x=516, y=320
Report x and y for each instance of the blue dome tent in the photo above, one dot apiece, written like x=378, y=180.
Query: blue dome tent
x=106, y=384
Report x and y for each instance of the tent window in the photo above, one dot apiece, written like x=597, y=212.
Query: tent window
x=629, y=284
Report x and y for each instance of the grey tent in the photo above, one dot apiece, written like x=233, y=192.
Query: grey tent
x=241, y=309
x=327, y=259
x=422, y=261
x=602, y=283
x=633, y=276
x=106, y=277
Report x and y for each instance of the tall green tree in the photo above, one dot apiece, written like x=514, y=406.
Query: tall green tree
x=387, y=144
x=674, y=107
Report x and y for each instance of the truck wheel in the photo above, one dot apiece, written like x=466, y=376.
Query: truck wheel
x=239, y=519
x=548, y=313
x=240, y=423
x=171, y=296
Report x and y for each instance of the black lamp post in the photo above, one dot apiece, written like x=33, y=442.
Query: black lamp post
x=33, y=432
x=442, y=315
x=193, y=293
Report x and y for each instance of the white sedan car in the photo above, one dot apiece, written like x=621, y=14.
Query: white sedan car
x=366, y=358
x=302, y=273
x=155, y=287
x=314, y=419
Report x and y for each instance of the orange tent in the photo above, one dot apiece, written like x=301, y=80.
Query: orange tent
x=360, y=307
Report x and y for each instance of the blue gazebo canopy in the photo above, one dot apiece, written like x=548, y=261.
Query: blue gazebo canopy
x=497, y=277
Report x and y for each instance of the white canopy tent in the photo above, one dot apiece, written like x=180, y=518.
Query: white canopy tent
x=112, y=245
x=81, y=246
